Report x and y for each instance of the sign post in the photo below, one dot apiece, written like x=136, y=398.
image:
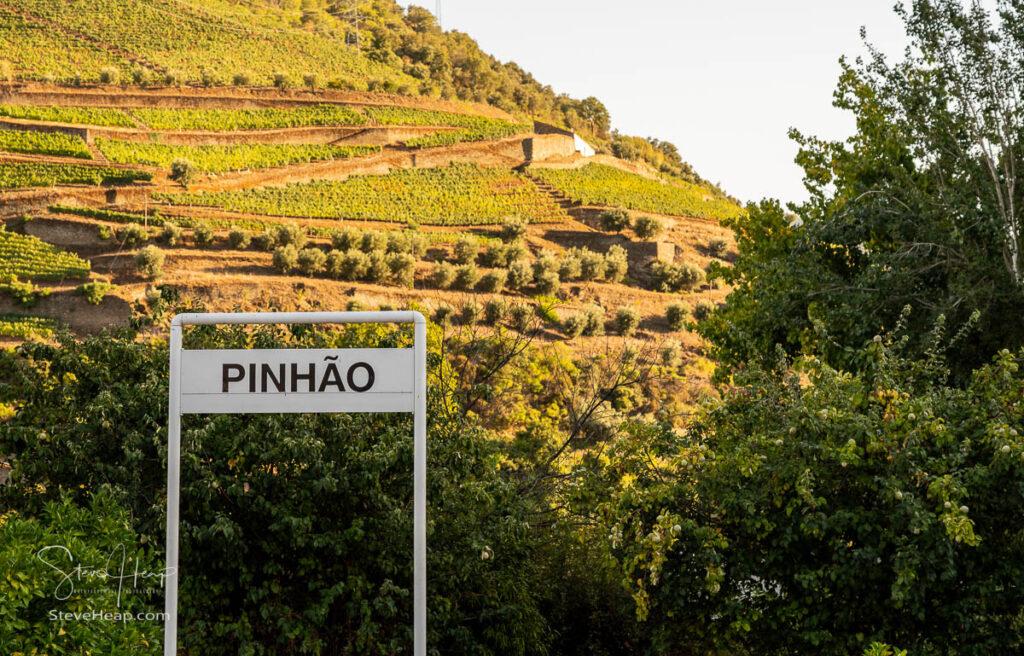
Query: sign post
x=296, y=381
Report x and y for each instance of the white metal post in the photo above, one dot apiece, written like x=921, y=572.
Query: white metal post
x=419, y=588
x=173, y=491
x=419, y=449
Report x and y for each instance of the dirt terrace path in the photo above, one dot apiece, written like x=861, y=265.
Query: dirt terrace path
x=195, y=97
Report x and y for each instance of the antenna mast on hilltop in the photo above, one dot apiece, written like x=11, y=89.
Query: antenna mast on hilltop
x=438, y=15
x=352, y=16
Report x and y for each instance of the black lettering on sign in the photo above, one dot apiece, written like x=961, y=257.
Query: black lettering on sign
x=252, y=377
x=331, y=377
x=309, y=376
x=278, y=380
x=227, y=378
x=370, y=376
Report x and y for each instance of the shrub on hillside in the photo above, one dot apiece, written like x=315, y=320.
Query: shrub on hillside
x=513, y=230
x=286, y=258
x=171, y=234
x=616, y=264
x=265, y=241
x=494, y=281
x=469, y=313
x=443, y=314
x=350, y=265
x=466, y=251
x=520, y=317
x=202, y=233
x=443, y=275
x=547, y=283
x=291, y=234
x=573, y=326
x=669, y=277
x=626, y=321
x=140, y=75
x=671, y=354
x=150, y=262
x=615, y=220
x=374, y=240
x=495, y=255
x=242, y=79
x=594, y=324
x=239, y=238
x=312, y=80
x=174, y=78
x=183, y=172
x=403, y=269
x=283, y=80
x=717, y=247
x=110, y=75
x=377, y=269
x=570, y=266
x=466, y=277
x=495, y=310
x=647, y=227
x=676, y=314
x=516, y=253
x=703, y=310
x=311, y=260
x=95, y=291
x=593, y=266
x=520, y=275
x=347, y=239
x=132, y=235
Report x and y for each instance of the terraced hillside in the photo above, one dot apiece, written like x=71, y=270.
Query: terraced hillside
x=331, y=204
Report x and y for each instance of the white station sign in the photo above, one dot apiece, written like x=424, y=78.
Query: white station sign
x=294, y=381
x=297, y=380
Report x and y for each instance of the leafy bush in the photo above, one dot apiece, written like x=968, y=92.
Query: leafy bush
x=377, y=269
x=494, y=281
x=520, y=275
x=283, y=80
x=616, y=264
x=466, y=277
x=615, y=220
x=184, y=172
x=626, y=321
x=520, y=317
x=547, y=283
x=347, y=239
x=717, y=247
x=242, y=79
x=443, y=275
x=669, y=277
x=374, y=240
x=239, y=238
x=171, y=233
x=202, y=233
x=24, y=293
x=110, y=75
x=311, y=260
x=443, y=314
x=574, y=325
x=594, y=316
x=95, y=291
x=676, y=314
x=132, y=235
x=671, y=354
x=349, y=265
x=466, y=251
x=150, y=262
x=403, y=269
x=513, y=230
x=593, y=266
x=34, y=546
x=495, y=310
x=495, y=255
x=291, y=234
x=647, y=227
x=891, y=491
x=515, y=253
x=570, y=266
x=264, y=241
x=469, y=313
x=286, y=258
x=703, y=310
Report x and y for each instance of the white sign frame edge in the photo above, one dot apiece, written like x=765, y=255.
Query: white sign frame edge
x=419, y=448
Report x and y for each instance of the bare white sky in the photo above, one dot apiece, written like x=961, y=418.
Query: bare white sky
x=722, y=79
